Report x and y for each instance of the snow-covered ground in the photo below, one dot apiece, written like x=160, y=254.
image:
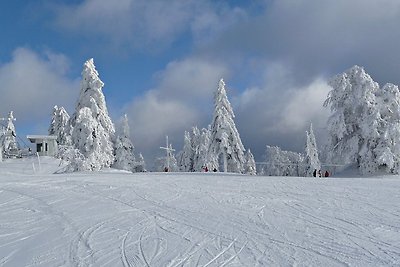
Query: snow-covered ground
x=205, y=219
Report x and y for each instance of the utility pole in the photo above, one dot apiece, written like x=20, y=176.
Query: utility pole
x=168, y=148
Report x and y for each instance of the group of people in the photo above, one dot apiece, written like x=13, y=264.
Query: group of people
x=205, y=169
x=319, y=173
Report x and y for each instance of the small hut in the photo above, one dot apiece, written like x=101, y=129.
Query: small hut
x=46, y=145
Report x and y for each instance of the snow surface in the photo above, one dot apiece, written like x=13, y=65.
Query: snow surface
x=115, y=218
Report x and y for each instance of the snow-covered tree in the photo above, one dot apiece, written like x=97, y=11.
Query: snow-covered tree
x=9, y=141
x=250, y=165
x=88, y=138
x=225, y=142
x=311, y=159
x=75, y=159
x=140, y=165
x=387, y=150
x=124, y=150
x=59, y=126
x=282, y=163
x=353, y=125
x=92, y=91
x=203, y=157
x=186, y=157
x=93, y=130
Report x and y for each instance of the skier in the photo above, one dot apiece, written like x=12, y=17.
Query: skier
x=326, y=174
x=314, y=173
x=319, y=173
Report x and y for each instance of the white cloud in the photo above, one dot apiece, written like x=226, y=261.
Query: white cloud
x=97, y=16
x=144, y=24
x=319, y=38
x=154, y=118
x=191, y=80
x=304, y=106
x=32, y=84
x=278, y=112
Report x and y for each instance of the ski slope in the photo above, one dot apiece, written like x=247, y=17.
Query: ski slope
x=178, y=219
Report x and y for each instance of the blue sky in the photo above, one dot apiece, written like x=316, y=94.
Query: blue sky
x=161, y=61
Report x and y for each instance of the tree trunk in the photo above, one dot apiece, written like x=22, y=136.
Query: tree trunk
x=225, y=162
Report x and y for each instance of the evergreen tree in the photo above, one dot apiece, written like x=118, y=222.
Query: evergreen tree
x=186, y=157
x=87, y=138
x=311, y=160
x=59, y=126
x=140, y=165
x=9, y=143
x=250, y=166
x=225, y=142
x=388, y=144
x=282, y=163
x=93, y=130
x=203, y=158
x=124, y=149
x=353, y=125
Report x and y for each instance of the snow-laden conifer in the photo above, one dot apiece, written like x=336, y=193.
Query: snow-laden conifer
x=353, y=125
x=387, y=149
x=140, y=165
x=186, y=157
x=92, y=89
x=311, y=159
x=9, y=141
x=124, y=149
x=282, y=163
x=203, y=158
x=93, y=130
x=59, y=126
x=225, y=142
x=250, y=166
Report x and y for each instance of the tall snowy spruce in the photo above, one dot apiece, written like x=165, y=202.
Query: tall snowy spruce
x=225, y=144
x=201, y=144
x=364, y=126
x=186, y=157
x=388, y=145
x=140, y=164
x=59, y=126
x=250, y=165
x=8, y=138
x=92, y=128
x=311, y=159
x=124, y=150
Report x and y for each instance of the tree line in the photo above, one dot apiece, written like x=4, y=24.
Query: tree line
x=363, y=129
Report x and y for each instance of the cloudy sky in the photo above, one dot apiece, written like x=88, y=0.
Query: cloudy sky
x=161, y=61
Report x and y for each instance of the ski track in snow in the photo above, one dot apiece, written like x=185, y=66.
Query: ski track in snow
x=119, y=219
